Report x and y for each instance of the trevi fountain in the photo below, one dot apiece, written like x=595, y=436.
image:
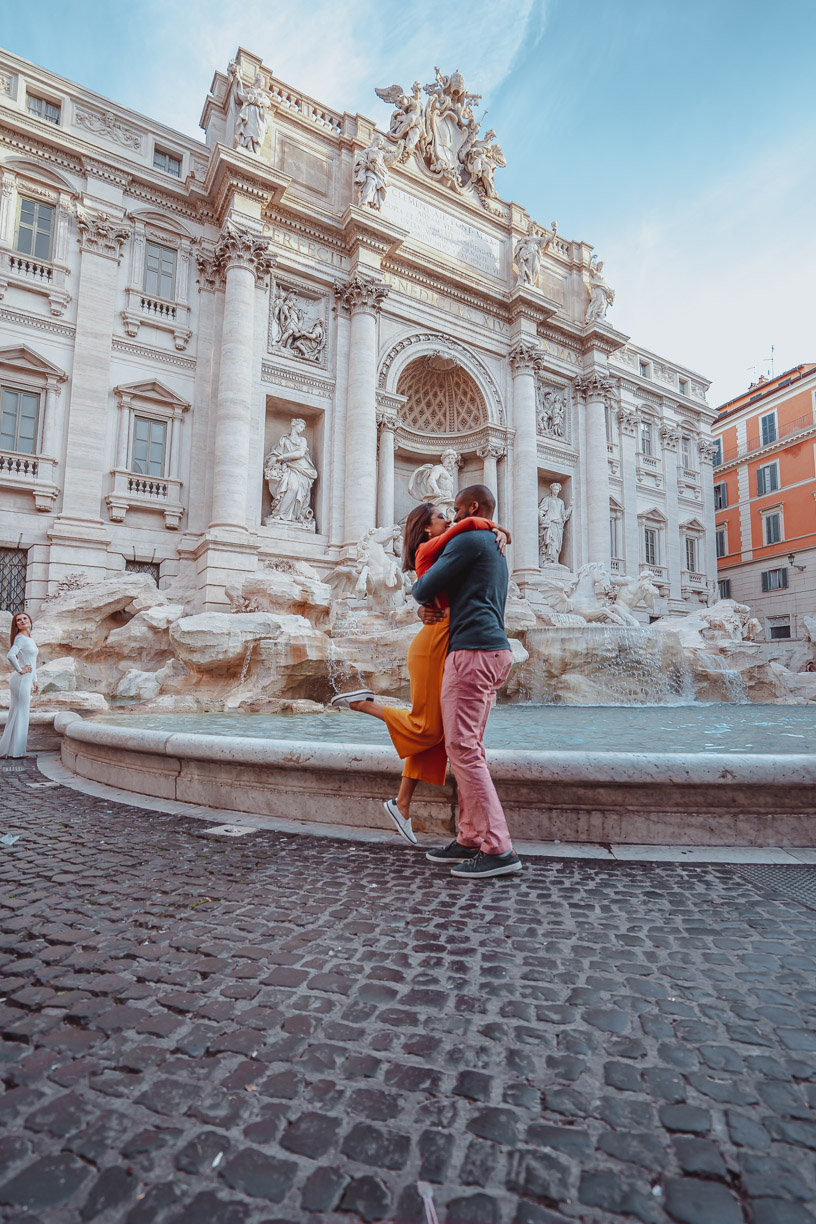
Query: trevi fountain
x=248, y=360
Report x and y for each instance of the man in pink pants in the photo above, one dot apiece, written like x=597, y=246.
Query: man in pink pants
x=473, y=572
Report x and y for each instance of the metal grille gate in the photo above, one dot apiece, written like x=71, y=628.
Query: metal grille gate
x=13, y=565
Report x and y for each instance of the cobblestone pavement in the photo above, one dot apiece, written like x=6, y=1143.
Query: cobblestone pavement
x=283, y=1028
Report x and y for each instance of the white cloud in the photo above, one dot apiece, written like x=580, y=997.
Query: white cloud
x=335, y=52
x=729, y=272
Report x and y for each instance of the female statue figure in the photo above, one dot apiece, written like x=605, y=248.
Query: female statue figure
x=253, y=117
x=371, y=173
x=290, y=474
x=601, y=296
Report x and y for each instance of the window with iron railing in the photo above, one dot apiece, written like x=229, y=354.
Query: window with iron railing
x=767, y=426
x=160, y=271
x=149, y=445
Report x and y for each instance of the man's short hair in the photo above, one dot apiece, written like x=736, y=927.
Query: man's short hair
x=481, y=494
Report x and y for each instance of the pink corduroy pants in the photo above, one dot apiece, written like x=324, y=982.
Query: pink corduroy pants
x=469, y=685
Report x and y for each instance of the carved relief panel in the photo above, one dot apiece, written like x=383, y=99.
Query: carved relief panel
x=298, y=322
x=553, y=416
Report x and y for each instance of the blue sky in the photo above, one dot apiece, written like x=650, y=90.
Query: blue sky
x=676, y=136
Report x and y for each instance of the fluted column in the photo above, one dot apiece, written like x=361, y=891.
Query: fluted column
x=244, y=260
x=523, y=361
x=490, y=454
x=630, y=425
x=594, y=389
x=387, y=424
x=362, y=299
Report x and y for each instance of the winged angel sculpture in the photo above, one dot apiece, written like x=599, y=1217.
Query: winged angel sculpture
x=444, y=133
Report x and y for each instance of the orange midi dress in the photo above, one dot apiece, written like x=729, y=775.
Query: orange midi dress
x=418, y=734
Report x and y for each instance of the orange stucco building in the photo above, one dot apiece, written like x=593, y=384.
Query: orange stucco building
x=765, y=500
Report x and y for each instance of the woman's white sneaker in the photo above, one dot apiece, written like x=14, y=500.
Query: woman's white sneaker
x=343, y=700
x=403, y=826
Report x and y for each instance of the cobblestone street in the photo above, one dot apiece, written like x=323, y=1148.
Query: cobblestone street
x=201, y=1030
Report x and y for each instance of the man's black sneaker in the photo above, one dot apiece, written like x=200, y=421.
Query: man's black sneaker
x=483, y=866
x=454, y=853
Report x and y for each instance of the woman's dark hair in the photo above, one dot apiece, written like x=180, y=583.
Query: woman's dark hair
x=14, y=629
x=415, y=525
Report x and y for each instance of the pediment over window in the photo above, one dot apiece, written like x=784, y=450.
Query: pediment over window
x=692, y=524
x=655, y=515
x=162, y=221
x=154, y=392
x=39, y=173
x=23, y=360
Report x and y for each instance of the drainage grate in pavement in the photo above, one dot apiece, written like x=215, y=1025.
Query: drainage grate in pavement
x=796, y=882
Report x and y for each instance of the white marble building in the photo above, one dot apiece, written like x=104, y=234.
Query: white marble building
x=168, y=308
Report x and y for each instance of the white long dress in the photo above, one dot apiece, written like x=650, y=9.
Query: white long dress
x=23, y=653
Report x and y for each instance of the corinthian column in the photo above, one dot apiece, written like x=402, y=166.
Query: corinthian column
x=362, y=299
x=594, y=390
x=523, y=360
x=244, y=260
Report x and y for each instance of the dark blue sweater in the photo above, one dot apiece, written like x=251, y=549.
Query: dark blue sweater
x=473, y=573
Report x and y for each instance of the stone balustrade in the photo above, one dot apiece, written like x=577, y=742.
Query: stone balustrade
x=142, y=308
x=32, y=473
x=39, y=275
x=133, y=491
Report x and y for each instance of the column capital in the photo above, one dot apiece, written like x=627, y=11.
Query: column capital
x=387, y=421
x=524, y=357
x=706, y=449
x=241, y=248
x=362, y=294
x=629, y=419
x=210, y=276
x=595, y=386
x=101, y=233
x=670, y=436
x=491, y=450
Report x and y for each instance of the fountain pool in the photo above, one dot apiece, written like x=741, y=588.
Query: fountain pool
x=698, y=728
x=665, y=775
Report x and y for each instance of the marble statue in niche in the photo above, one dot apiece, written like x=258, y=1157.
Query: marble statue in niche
x=289, y=474
x=527, y=256
x=255, y=104
x=290, y=329
x=553, y=516
x=551, y=413
x=601, y=296
x=371, y=172
x=436, y=482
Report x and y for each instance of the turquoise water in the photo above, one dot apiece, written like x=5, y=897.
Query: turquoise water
x=558, y=728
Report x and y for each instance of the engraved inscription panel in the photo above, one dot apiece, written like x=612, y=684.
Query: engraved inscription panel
x=305, y=167
x=437, y=228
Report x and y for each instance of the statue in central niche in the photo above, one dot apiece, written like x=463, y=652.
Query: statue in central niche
x=436, y=482
x=289, y=474
x=553, y=516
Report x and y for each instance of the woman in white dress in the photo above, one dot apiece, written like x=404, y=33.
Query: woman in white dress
x=23, y=658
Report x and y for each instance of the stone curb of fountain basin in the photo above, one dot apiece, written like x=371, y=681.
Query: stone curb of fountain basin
x=230, y=822
x=601, y=797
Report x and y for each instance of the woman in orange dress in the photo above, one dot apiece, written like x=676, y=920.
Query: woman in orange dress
x=417, y=733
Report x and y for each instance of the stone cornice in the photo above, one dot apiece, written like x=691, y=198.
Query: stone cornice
x=120, y=345
x=38, y=322
x=301, y=381
x=361, y=294
x=526, y=302
x=232, y=173
x=602, y=338
x=363, y=229
x=450, y=287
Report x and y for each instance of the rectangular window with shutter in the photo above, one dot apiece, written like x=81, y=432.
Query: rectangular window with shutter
x=35, y=228
x=772, y=528
x=721, y=542
x=767, y=479
x=149, y=439
x=768, y=426
x=160, y=271
x=724, y=588
x=720, y=496
x=18, y=425
x=775, y=579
